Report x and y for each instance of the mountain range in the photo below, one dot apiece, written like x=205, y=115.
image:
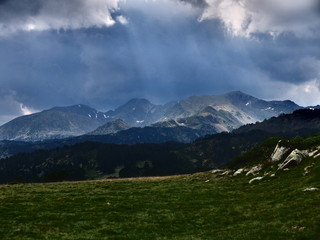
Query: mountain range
x=197, y=115
x=92, y=160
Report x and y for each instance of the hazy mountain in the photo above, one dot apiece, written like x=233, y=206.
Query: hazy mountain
x=245, y=108
x=228, y=111
x=58, y=122
x=206, y=114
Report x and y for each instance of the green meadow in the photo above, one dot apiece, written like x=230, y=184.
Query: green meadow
x=198, y=206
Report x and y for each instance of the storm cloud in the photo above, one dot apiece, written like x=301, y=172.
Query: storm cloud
x=102, y=53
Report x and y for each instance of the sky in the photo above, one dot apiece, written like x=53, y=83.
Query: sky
x=104, y=52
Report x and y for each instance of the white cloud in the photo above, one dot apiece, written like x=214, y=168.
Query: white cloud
x=57, y=14
x=11, y=107
x=25, y=110
x=122, y=20
x=305, y=94
x=246, y=17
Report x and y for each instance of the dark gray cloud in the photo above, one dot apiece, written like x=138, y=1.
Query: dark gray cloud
x=163, y=53
x=12, y=9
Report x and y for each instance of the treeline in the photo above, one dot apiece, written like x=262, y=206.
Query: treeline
x=91, y=160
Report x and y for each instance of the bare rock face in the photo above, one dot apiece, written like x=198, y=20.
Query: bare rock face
x=294, y=158
x=279, y=152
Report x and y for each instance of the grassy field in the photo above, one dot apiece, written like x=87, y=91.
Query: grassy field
x=199, y=206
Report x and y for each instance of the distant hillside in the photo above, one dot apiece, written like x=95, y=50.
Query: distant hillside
x=130, y=136
x=111, y=128
x=94, y=160
x=301, y=122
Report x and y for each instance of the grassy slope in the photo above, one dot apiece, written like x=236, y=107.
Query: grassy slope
x=179, y=207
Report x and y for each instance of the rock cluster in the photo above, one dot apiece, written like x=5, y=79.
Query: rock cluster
x=280, y=153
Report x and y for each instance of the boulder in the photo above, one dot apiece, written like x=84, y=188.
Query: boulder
x=294, y=158
x=216, y=171
x=255, y=179
x=239, y=171
x=255, y=170
x=267, y=173
x=226, y=173
x=316, y=156
x=307, y=169
x=314, y=153
x=279, y=152
x=311, y=189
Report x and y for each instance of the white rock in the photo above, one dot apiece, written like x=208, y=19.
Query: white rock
x=311, y=154
x=255, y=179
x=316, y=156
x=266, y=173
x=294, y=158
x=225, y=173
x=278, y=152
x=273, y=175
x=311, y=189
x=216, y=171
x=255, y=170
x=239, y=171
x=307, y=169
